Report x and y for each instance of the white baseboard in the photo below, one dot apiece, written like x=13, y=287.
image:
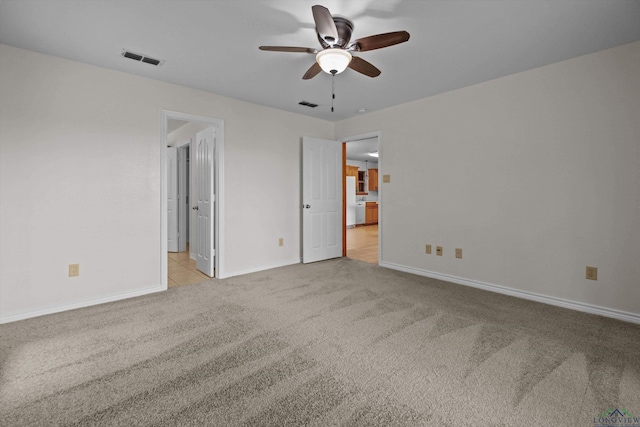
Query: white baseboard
x=545, y=299
x=262, y=268
x=79, y=304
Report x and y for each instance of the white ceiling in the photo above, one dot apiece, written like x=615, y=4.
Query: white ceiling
x=213, y=45
x=174, y=124
x=359, y=150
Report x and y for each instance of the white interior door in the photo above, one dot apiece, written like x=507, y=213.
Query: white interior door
x=172, y=199
x=321, y=199
x=205, y=198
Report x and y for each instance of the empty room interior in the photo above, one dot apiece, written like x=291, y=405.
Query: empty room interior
x=358, y=213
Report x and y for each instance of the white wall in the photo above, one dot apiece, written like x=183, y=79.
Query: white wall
x=80, y=165
x=362, y=165
x=534, y=175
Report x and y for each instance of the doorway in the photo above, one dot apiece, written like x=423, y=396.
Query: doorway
x=178, y=185
x=182, y=266
x=185, y=132
x=362, y=201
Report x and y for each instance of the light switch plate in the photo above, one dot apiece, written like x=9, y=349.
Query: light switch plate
x=74, y=270
x=386, y=179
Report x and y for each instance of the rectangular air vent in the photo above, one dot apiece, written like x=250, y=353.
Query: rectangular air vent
x=141, y=58
x=151, y=61
x=308, y=104
x=132, y=55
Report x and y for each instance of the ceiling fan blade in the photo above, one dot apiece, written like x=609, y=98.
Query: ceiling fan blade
x=364, y=67
x=325, y=26
x=312, y=71
x=289, y=49
x=378, y=41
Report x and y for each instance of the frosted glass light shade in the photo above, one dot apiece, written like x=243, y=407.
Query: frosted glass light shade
x=334, y=60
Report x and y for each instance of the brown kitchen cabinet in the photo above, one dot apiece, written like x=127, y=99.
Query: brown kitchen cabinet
x=373, y=179
x=351, y=171
x=371, y=213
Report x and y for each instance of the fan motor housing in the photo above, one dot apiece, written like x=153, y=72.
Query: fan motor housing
x=345, y=29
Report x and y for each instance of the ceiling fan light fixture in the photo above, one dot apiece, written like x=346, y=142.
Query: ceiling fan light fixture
x=333, y=60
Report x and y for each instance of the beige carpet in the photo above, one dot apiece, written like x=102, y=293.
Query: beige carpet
x=333, y=343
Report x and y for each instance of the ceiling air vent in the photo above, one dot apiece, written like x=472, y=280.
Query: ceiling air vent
x=308, y=104
x=151, y=61
x=141, y=58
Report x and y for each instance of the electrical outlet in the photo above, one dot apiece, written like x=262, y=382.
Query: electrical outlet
x=386, y=179
x=458, y=253
x=592, y=273
x=74, y=270
x=439, y=250
x=427, y=249
x=281, y=241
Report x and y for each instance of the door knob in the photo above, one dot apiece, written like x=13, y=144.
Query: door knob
x=195, y=208
x=306, y=206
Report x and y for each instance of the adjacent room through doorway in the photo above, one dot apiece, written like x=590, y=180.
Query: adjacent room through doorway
x=362, y=199
x=191, y=203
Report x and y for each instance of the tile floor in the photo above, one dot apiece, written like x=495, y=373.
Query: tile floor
x=182, y=270
x=362, y=243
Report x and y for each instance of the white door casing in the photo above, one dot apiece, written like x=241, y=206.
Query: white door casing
x=205, y=199
x=172, y=199
x=193, y=225
x=183, y=196
x=321, y=199
x=219, y=188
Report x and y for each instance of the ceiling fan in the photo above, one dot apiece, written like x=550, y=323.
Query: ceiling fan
x=335, y=56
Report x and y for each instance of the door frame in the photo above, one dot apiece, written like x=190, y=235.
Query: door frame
x=219, y=220
x=346, y=140
x=184, y=212
x=173, y=221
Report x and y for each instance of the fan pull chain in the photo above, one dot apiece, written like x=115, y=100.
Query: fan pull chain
x=333, y=89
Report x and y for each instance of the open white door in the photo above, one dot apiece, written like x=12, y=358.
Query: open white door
x=321, y=199
x=172, y=199
x=205, y=198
